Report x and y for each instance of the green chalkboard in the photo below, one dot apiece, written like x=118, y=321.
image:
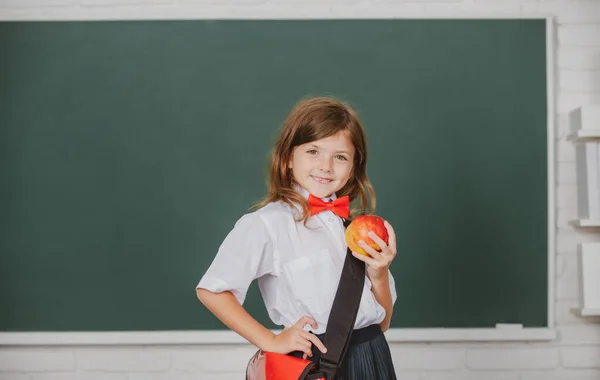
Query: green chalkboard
x=129, y=148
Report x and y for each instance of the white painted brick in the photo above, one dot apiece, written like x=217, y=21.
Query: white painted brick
x=187, y=376
x=580, y=357
x=236, y=2
x=79, y=376
x=568, y=101
x=564, y=216
x=378, y=2
x=565, y=151
x=578, y=58
x=568, y=265
x=566, y=196
x=315, y=1
x=14, y=376
x=470, y=7
x=217, y=359
x=562, y=126
x=569, y=12
x=579, y=334
x=34, y=360
x=561, y=374
x=123, y=2
x=123, y=359
x=464, y=375
x=429, y=358
x=579, y=35
x=516, y=358
x=408, y=375
x=579, y=80
x=567, y=241
x=563, y=312
x=566, y=173
x=567, y=284
x=567, y=289
x=35, y=3
x=559, y=265
x=392, y=8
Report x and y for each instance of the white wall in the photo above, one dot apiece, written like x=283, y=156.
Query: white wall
x=575, y=354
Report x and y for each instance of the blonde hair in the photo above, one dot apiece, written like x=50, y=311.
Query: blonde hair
x=314, y=119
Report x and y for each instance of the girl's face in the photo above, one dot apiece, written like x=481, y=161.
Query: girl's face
x=323, y=166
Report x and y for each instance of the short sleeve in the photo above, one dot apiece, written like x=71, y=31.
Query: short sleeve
x=245, y=255
x=392, y=287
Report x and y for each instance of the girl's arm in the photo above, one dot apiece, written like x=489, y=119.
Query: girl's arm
x=381, y=289
x=378, y=270
x=226, y=307
x=229, y=311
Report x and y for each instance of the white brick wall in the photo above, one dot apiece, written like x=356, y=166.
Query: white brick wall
x=575, y=355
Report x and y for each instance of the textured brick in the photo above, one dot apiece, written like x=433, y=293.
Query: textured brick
x=572, y=12
x=578, y=58
x=564, y=216
x=418, y=357
x=581, y=357
x=35, y=3
x=124, y=359
x=566, y=173
x=35, y=360
x=579, y=35
x=516, y=358
x=566, y=196
x=568, y=101
x=561, y=374
x=580, y=334
x=217, y=359
x=475, y=375
x=579, y=80
x=79, y=376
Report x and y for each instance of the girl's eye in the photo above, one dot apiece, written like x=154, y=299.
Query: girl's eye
x=340, y=157
x=311, y=151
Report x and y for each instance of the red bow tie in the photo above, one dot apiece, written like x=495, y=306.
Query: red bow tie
x=340, y=206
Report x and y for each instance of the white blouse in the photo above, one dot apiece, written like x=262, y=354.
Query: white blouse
x=298, y=268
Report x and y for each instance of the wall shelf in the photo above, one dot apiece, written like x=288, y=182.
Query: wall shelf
x=586, y=312
x=585, y=223
x=584, y=135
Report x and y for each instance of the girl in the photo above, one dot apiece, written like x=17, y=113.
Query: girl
x=297, y=251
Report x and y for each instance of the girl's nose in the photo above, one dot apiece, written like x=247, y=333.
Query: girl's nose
x=326, y=164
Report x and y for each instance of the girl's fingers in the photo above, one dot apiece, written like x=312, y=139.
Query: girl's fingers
x=391, y=236
x=307, y=351
x=379, y=241
x=385, y=249
x=316, y=341
x=306, y=320
x=366, y=259
x=305, y=347
x=370, y=250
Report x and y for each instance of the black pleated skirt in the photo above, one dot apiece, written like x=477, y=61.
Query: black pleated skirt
x=368, y=356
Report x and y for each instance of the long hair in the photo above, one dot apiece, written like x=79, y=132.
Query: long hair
x=314, y=119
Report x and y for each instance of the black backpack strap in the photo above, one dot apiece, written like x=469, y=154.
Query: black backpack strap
x=343, y=314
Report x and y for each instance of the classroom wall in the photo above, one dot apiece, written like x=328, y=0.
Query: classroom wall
x=576, y=352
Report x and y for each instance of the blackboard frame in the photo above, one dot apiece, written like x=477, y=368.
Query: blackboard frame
x=501, y=333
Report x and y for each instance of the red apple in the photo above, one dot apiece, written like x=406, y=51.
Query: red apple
x=359, y=230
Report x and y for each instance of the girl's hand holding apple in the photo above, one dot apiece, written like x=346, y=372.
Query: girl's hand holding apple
x=372, y=240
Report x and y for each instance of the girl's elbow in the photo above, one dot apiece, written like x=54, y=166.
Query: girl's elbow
x=384, y=326
x=203, y=294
